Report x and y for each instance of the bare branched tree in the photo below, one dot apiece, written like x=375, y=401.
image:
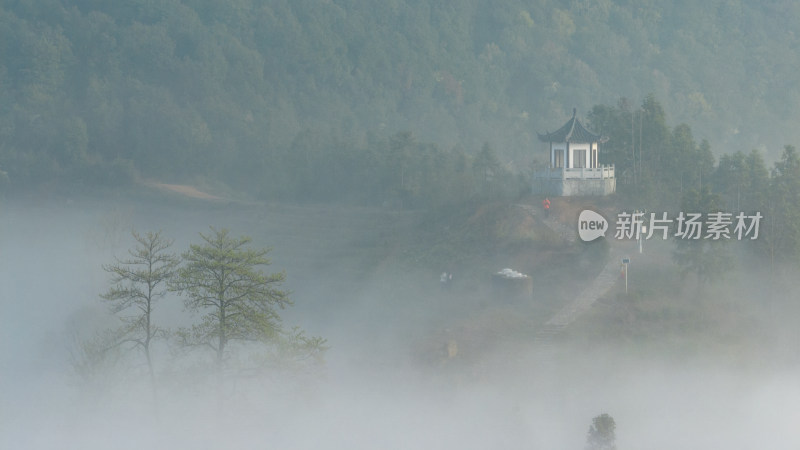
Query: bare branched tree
x=138, y=282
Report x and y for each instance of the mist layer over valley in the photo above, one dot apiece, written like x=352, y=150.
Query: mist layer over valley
x=389, y=379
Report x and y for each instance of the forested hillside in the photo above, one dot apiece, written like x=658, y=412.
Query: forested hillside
x=249, y=91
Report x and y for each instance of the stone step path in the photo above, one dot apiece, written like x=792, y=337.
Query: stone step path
x=544, y=349
x=601, y=284
x=584, y=301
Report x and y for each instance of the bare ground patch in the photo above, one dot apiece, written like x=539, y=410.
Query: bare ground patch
x=183, y=189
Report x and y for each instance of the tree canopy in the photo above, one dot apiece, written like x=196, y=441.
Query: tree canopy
x=222, y=280
x=602, y=433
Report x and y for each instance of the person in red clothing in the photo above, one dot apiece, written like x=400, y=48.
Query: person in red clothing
x=546, y=205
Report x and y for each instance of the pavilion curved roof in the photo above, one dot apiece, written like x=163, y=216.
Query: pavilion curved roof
x=572, y=131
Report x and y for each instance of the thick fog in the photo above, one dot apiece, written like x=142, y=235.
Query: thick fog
x=384, y=384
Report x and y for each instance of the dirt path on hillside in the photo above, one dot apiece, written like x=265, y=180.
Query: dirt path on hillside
x=567, y=233
x=183, y=189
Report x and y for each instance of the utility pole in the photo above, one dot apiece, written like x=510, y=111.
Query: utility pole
x=633, y=145
x=641, y=161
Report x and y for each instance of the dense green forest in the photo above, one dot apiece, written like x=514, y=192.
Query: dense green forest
x=246, y=92
x=664, y=168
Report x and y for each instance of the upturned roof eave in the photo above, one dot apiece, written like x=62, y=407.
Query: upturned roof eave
x=567, y=133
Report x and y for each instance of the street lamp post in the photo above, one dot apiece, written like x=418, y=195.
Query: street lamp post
x=625, y=262
x=644, y=230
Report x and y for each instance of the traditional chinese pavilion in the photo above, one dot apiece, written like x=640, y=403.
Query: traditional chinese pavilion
x=574, y=168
